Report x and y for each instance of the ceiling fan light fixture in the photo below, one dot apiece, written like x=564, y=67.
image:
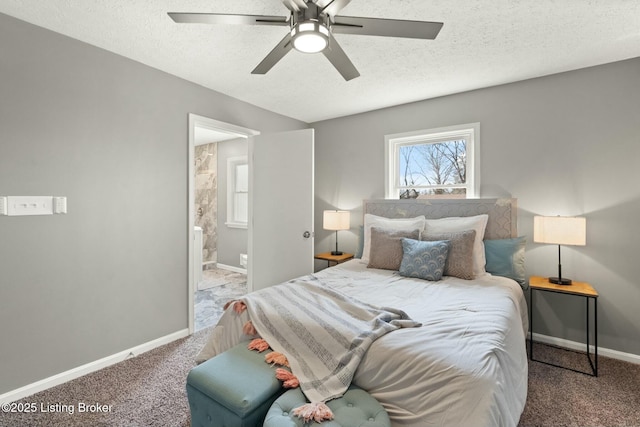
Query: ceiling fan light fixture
x=310, y=36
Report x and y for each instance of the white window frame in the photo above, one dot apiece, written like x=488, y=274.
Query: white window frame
x=232, y=166
x=470, y=132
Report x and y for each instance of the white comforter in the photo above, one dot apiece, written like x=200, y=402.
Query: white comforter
x=467, y=364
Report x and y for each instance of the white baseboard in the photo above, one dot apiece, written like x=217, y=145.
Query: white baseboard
x=74, y=373
x=232, y=268
x=578, y=346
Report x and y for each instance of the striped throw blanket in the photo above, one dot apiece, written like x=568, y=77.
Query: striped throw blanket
x=323, y=333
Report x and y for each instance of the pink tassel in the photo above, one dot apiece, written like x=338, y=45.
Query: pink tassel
x=249, y=329
x=239, y=307
x=276, y=358
x=317, y=412
x=289, y=380
x=258, y=344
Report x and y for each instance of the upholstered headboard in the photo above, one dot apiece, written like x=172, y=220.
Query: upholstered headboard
x=502, y=223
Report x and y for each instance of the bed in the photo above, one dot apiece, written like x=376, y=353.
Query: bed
x=466, y=364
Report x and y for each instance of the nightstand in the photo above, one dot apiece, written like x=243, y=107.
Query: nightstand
x=336, y=259
x=580, y=289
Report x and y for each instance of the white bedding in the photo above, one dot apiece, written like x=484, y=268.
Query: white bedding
x=467, y=364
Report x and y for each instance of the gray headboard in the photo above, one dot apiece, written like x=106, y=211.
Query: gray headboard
x=502, y=223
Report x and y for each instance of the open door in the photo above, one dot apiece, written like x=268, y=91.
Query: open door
x=281, y=208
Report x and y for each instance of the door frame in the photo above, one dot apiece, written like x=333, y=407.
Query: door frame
x=194, y=121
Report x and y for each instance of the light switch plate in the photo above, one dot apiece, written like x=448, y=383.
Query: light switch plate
x=29, y=205
x=60, y=205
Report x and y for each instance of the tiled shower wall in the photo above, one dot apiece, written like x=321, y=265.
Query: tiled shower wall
x=206, y=199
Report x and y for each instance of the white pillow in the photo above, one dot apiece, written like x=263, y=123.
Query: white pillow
x=399, y=224
x=456, y=224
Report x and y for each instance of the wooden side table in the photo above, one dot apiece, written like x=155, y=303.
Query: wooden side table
x=336, y=259
x=581, y=289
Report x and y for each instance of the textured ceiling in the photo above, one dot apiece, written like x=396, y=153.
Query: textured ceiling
x=483, y=43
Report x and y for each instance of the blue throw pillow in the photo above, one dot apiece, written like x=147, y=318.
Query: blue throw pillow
x=360, y=248
x=424, y=260
x=505, y=257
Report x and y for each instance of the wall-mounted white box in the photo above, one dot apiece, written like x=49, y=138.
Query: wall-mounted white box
x=29, y=205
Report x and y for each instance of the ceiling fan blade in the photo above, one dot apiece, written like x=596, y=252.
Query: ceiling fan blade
x=333, y=7
x=222, y=18
x=274, y=56
x=386, y=27
x=295, y=5
x=340, y=60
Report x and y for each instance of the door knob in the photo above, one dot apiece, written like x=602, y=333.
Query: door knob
x=306, y=234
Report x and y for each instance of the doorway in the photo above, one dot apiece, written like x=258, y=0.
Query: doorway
x=216, y=150
x=280, y=204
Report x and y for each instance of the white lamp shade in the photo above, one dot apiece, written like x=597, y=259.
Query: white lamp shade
x=336, y=220
x=560, y=230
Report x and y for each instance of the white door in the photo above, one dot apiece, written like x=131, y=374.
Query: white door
x=281, y=207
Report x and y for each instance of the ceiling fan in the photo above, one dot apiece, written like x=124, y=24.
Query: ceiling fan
x=312, y=24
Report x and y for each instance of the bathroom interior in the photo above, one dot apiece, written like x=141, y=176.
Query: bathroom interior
x=221, y=239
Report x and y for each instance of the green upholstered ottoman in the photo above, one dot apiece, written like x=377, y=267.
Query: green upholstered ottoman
x=233, y=389
x=356, y=408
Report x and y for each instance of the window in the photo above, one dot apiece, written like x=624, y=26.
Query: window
x=237, y=192
x=433, y=163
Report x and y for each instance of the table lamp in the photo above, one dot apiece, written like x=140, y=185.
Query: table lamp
x=560, y=230
x=335, y=221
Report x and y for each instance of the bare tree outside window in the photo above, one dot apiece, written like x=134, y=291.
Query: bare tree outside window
x=434, y=169
x=433, y=163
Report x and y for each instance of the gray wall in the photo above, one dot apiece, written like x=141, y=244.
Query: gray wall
x=566, y=144
x=231, y=241
x=111, y=135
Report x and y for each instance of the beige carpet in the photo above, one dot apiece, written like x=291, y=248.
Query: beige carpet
x=149, y=390
x=559, y=397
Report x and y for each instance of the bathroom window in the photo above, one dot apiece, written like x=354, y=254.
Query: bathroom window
x=237, y=192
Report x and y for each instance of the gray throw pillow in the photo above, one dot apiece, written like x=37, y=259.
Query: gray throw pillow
x=386, y=247
x=460, y=258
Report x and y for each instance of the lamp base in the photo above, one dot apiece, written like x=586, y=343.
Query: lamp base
x=559, y=281
x=336, y=253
